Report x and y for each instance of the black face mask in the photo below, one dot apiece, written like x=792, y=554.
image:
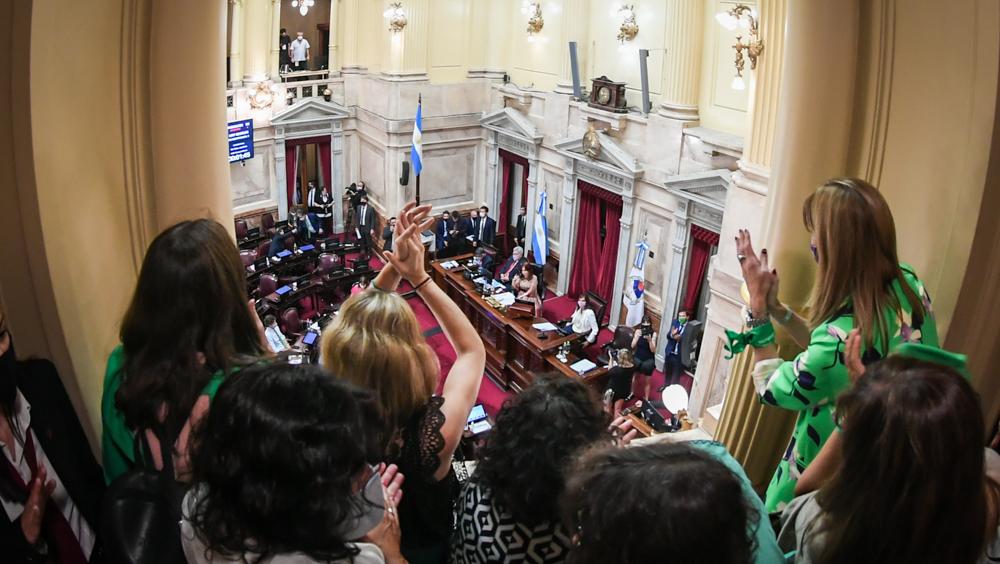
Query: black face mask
x=8, y=380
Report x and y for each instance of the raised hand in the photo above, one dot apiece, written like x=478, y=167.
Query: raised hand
x=34, y=508
x=756, y=273
x=852, y=356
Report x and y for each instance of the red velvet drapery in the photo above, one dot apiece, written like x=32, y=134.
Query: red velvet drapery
x=593, y=260
x=291, y=170
x=702, y=241
x=507, y=160
x=325, y=165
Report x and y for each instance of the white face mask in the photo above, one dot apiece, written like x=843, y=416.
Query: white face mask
x=369, y=510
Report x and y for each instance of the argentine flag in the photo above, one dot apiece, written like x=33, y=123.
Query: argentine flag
x=416, y=149
x=635, y=287
x=539, y=240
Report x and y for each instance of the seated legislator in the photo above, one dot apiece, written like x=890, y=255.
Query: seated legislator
x=511, y=267
x=509, y=509
x=525, y=286
x=275, y=339
x=283, y=474
x=484, y=261
x=50, y=484
x=277, y=243
x=443, y=232
x=583, y=321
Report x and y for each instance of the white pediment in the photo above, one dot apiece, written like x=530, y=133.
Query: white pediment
x=707, y=188
x=613, y=157
x=310, y=110
x=512, y=122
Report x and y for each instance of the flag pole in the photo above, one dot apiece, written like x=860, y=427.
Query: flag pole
x=418, y=189
x=419, y=102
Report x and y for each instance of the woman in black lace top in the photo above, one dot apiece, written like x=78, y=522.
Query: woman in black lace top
x=376, y=343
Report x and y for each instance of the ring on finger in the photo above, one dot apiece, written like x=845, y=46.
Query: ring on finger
x=741, y=258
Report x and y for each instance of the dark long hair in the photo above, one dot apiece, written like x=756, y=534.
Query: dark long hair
x=276, y=462
x=911, y=485
x=537, y=434
x=190, y=298
x=663, y=502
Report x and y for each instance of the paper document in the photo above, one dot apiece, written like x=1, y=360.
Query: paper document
x=449, y=265
x=545, y=326
x=505, y=298
x=583, y=366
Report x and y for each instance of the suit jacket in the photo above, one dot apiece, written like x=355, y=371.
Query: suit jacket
x=365, y=224
x=674, y=347
x=489, y=231
x=442, y=232
x=387, y=238
x=61, y=436
x=514, y=266
x=464, y=227
x=521, y=226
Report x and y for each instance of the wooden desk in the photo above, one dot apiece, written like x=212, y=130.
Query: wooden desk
x=595, y=376
x=515, y=351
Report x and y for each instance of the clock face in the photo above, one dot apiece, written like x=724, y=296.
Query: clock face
x=603, y=95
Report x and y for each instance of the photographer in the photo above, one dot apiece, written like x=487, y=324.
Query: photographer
x=643, y=345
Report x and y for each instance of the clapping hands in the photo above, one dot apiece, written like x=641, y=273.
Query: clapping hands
x=407, y=255
x=761, y=280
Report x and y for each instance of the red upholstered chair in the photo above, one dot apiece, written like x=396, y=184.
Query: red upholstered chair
x=599, y=306
x=262, y=249
x=291, y=325
x=267, y=224
x=327, y=262
x=241, y=229
x=248, y=257
x=268, y=284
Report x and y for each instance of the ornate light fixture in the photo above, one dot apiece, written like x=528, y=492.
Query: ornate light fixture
x=629, y=28
x=534, y=12
x=731, y=20
x=327, y=93
x=396, y=16
x=303, y=5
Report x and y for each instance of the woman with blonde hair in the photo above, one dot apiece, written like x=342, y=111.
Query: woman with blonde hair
x=376, y=343
x=861, y=284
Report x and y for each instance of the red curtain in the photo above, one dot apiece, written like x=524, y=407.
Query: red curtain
x=290, y=171
x=605, y=286
x=507, y=160
x=504, y=196
x=324, y=161
x=594, y=261
x=702, y=241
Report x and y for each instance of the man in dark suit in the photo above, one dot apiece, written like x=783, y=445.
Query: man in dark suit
x=442, y=232
x=37, y=414
x=519, y=230
x=461, y=229
x=673, y=365
x=388, y=233
x=277, y=243
x=485, y=232
x=364, y=218
x=511, y=267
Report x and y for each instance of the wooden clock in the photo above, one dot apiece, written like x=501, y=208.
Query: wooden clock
x=607, y=94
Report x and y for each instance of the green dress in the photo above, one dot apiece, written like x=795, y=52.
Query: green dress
x=812, y=381
x=117, y=440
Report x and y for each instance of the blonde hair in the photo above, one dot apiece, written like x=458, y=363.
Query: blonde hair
x=375, y=343
x=856, y=250
x=625, y=358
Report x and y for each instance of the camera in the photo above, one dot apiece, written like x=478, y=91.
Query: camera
x=646, y=330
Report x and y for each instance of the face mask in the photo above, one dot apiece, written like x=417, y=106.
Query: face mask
x=682, y=319
x=581, y=305
x=815, y=252
x=369, y=509
x=8, y=371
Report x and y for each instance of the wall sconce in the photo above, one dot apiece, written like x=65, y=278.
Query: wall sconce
x=534, y=12
x=303, y=5
x=731, y=20
x=629, y=28
x=396, y=17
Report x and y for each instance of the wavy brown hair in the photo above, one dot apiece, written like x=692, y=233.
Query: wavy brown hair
x=911, y=485
x=376, y=343
x=856, y=249
x=190, y=298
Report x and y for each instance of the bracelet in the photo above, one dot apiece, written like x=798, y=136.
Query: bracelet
x=788, y=315
x=758, y=337
x=418, y=286
x=375, y=286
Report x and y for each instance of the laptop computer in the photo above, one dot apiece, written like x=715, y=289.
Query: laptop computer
x=310, y=338
x=478, y=422
x=283, y=254
x=283, y=290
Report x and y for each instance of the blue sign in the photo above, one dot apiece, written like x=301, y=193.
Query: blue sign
x=240, y=140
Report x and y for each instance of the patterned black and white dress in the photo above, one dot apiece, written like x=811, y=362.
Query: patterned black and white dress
x=488, y=533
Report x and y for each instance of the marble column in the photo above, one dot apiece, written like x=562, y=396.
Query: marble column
x=190, y=164
x=576, y=25
x=496, y=39
x=274, y=48
x=256, y=31
x=337, y=172
x=674, y=276
x=406, y=56
x=810, y=144
x=349, y=42
x=622, y=266
x=236, y=42
x=682, y=60
x=332, y=54
x=567, y=226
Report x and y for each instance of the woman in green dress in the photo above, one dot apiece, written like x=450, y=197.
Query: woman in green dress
x=861, y=284
x=187, y=326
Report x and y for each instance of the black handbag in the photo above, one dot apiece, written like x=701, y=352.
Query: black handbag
x=140, y=520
